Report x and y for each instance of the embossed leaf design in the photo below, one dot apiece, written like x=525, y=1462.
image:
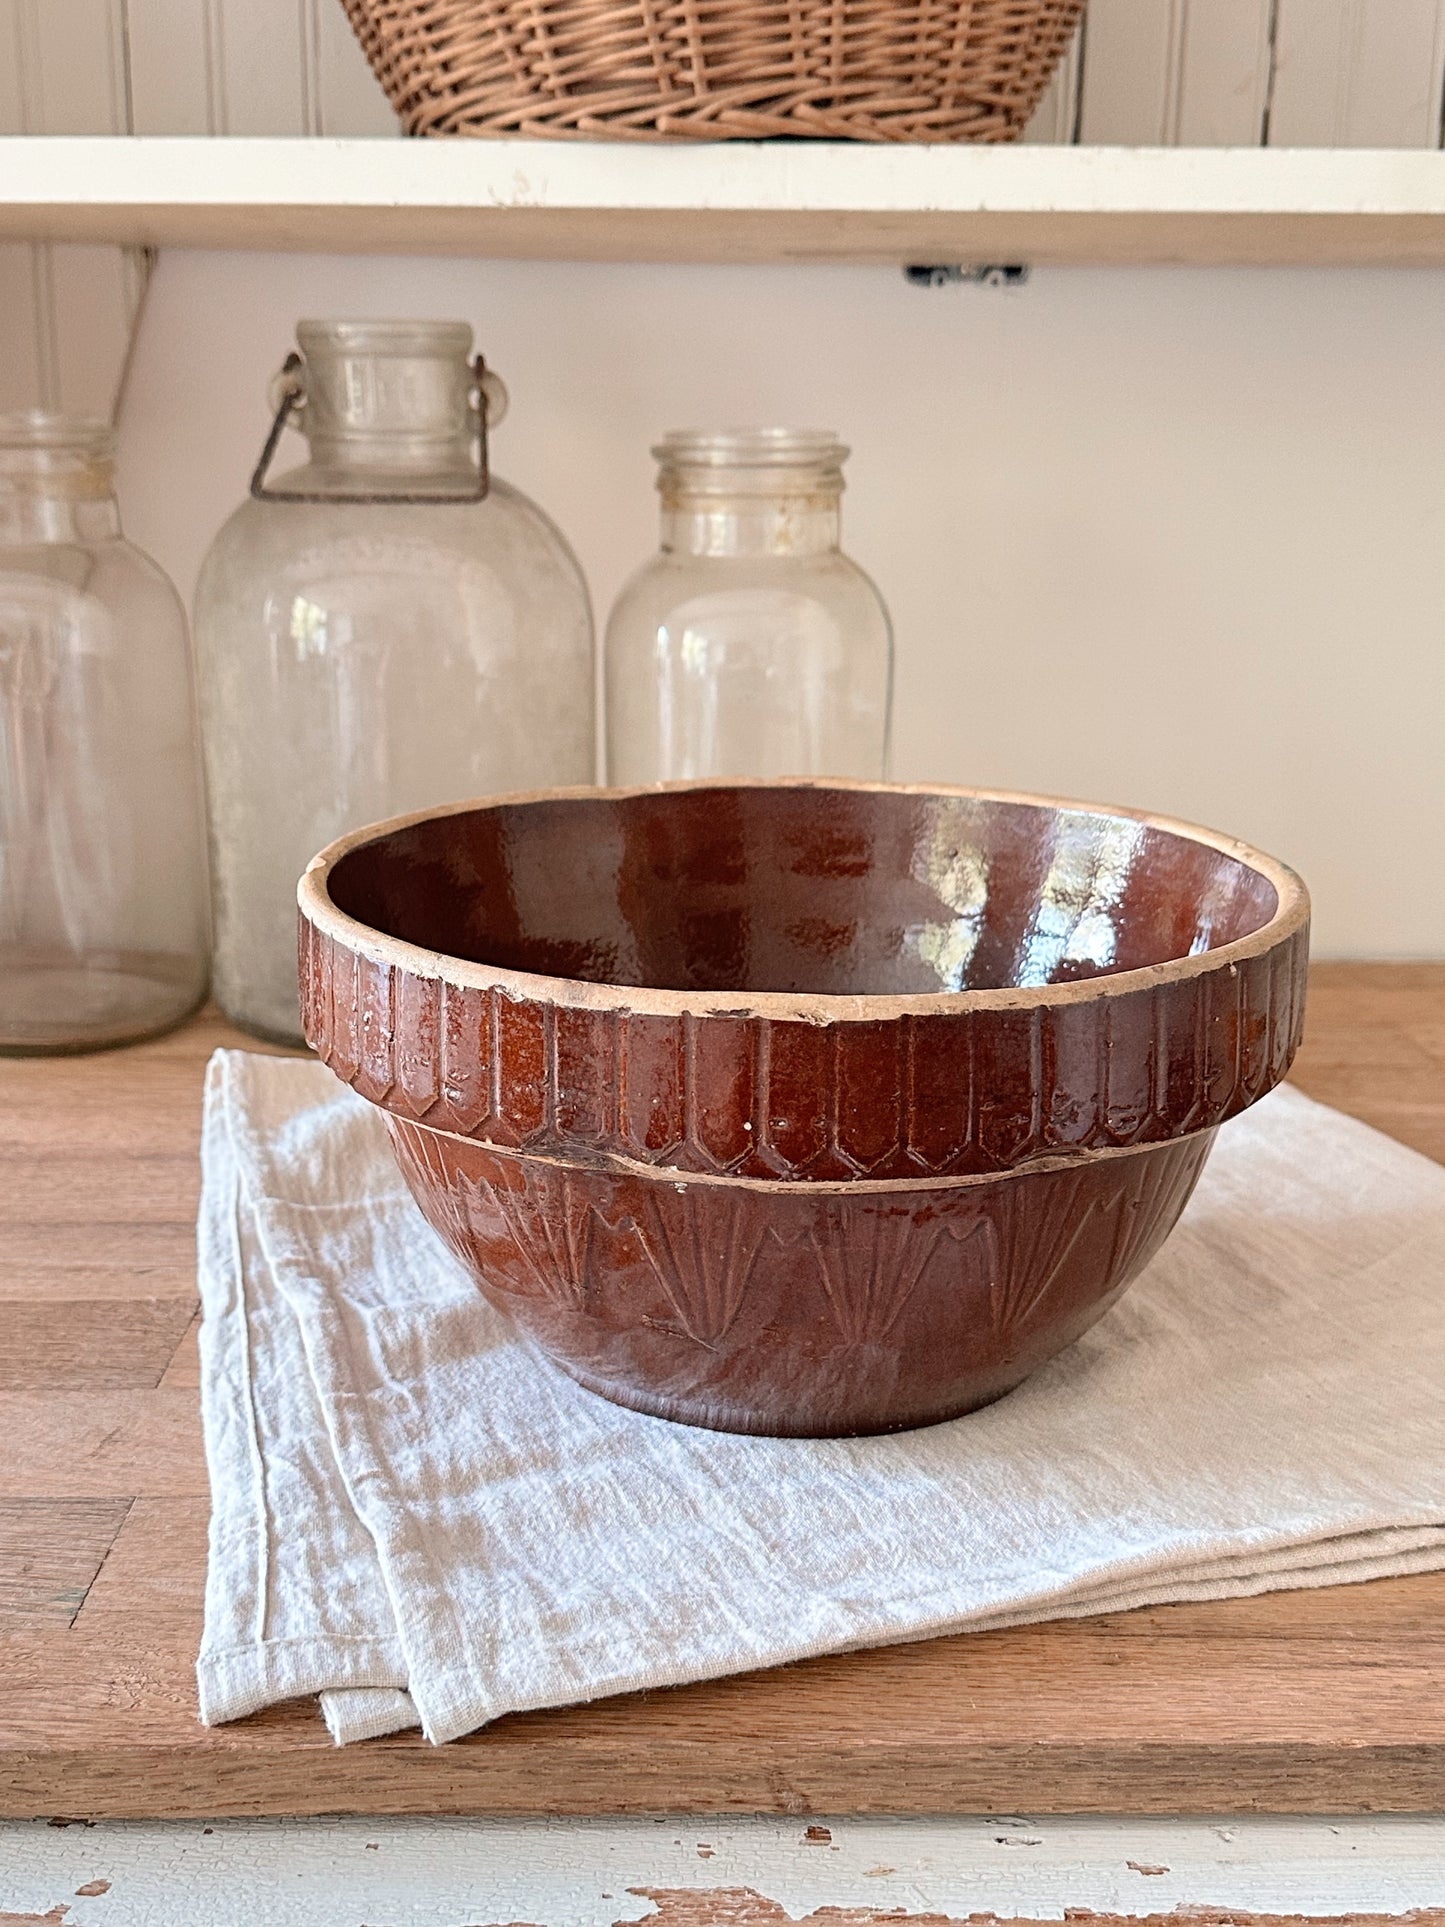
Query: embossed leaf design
x=1032, y=1247
x=1148, y=1210
x=870, y=1263
x=703, y=1275
x=419, y=1151
x=550, y=1225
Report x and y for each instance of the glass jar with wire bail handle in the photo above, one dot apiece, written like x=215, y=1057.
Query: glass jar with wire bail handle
x=750, y=645
x=388, y=627
x=103, y=914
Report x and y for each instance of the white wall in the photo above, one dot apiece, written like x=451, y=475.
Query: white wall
x=1171, y=538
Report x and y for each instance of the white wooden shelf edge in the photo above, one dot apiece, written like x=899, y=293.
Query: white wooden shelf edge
x=731, y=200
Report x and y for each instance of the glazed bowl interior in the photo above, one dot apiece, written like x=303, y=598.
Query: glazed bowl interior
x=804, y=889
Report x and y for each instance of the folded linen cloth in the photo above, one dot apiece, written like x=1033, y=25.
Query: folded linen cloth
x=418, y=1518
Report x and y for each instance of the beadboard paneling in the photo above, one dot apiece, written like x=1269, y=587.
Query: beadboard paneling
x=1224, y=74
x=1056, y=118
x=1175, y=73
x=21, y=381
x=1131, y=71
x=251, y=67
x=95, y=296
x=67, y=317
x=284, y=67
x=70, y=60
x=12, y=90
x=349, y=99
x=266, y=67
x=1358, y=73
x=176, y=81
x=67, y=313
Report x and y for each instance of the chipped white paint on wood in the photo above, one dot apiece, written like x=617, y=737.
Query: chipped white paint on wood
x=1358, y=73
x=442, y=1873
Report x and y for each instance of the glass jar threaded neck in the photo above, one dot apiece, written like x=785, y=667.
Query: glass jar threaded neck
x=56, y=478
x=751, y=491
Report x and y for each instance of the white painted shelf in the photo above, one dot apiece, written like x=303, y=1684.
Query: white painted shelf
x=732, y=201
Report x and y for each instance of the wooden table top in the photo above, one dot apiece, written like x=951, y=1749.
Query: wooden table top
x=1331, y=1700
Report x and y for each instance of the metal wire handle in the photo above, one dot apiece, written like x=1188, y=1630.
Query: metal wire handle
x=293, y=398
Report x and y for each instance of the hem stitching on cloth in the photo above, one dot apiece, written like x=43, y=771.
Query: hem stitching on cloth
x=432, y=1570
x=253, y=1425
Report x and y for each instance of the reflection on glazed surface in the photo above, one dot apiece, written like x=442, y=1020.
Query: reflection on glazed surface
x=808, y=890
x=815, y=1215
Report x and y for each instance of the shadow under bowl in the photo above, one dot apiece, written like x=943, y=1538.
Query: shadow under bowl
x=801, y=1108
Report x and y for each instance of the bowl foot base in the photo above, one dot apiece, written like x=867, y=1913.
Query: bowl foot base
x=717, y=1416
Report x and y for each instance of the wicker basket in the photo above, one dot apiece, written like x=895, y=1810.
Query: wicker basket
x=874, y=70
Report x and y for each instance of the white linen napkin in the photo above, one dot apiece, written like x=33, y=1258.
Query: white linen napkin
x=418, y=1518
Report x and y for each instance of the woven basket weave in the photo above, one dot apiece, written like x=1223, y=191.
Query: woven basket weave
x=874, y=70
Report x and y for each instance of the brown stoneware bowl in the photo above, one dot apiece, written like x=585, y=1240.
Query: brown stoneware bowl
x=808, y=1108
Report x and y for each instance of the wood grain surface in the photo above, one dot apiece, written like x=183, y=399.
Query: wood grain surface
x=1329, y=1701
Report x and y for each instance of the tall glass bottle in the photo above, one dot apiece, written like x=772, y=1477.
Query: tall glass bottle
x=750, y=645
x=103, y=920
x=377, y=636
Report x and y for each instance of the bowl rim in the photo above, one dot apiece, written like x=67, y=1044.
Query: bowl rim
x=313, y=897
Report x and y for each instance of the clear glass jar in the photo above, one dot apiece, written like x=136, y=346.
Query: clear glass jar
x=751, y=645
x=361, y=657
x=103, y=922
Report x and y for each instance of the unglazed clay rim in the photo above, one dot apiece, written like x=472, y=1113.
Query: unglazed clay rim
x=813, y=1007
x=681, y=1178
